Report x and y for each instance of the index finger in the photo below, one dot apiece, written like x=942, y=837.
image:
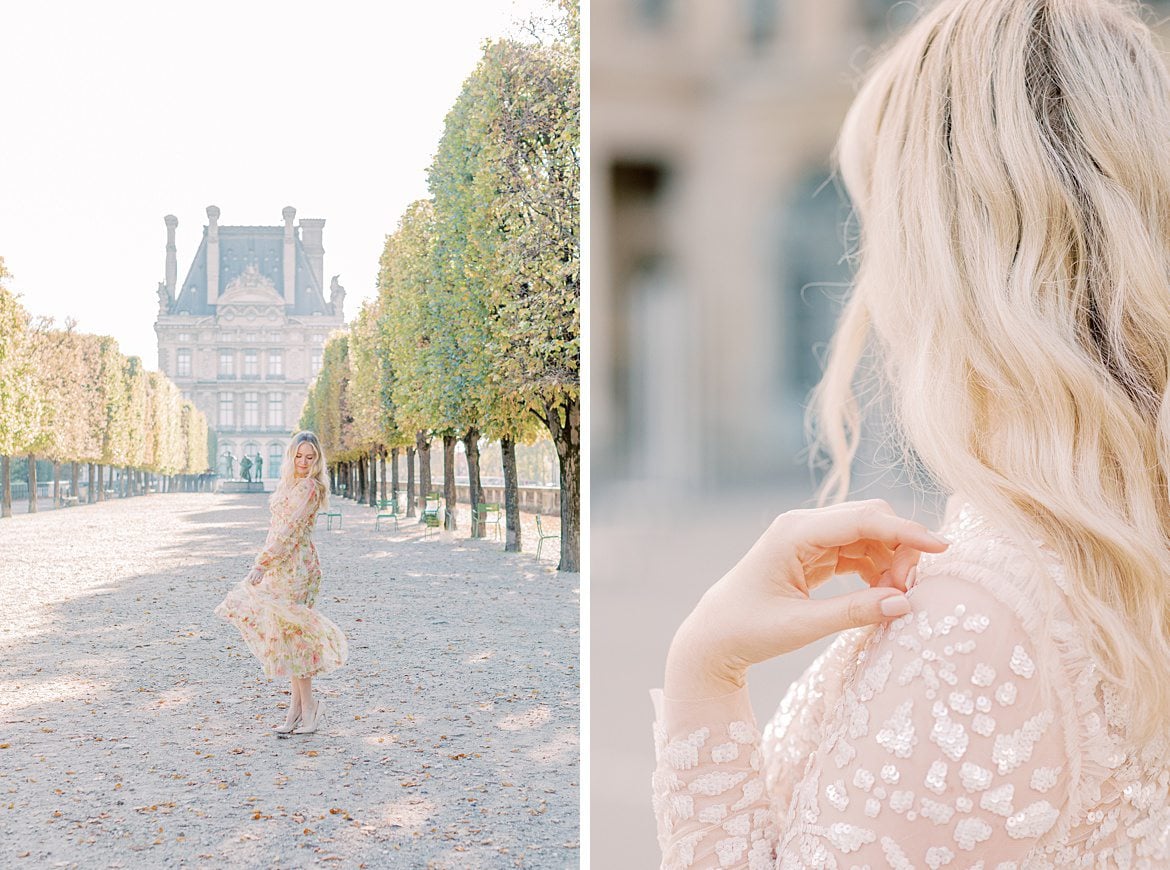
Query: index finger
x=868, y=522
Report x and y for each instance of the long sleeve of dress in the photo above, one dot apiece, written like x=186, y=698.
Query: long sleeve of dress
x=288, y=530
x=942, y=748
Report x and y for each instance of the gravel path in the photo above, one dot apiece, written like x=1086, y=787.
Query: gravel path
x=136, y=729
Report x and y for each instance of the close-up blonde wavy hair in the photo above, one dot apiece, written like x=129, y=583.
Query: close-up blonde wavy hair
x=318, y=471
x=1009, y=164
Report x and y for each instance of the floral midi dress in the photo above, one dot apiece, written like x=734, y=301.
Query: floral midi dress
x=277, y=617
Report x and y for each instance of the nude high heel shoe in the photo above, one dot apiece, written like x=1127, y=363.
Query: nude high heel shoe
x=318, y=716
x=288, y=727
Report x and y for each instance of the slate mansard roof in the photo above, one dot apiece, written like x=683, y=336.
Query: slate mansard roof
x=240, y=247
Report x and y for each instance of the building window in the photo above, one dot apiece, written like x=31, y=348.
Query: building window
x=275, y=455
x=762, y=21
x=275, y=364
x=251, y=364
x=183, y=362
x=184, y=336
x=227, y=364
x=227, y=411
x=883, y=17
x=276, y=410
x=653, y=13
x=316, y=363
x=274, y=336
x=249, y=336
x=251, y=410
x=318, y=338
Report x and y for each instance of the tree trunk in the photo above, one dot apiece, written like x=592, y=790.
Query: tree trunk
x=360, y=469
x=512, y=537
x=373, y=499
x=5, y=488
x=32, y=484
x=393, y=474
x=73, y=481
x=450, y=494
x=382, y=462
x=101, y=482
x=566, y=436
x=474, y=490
x=423, y=448
x=56, y=483
x=410, y=511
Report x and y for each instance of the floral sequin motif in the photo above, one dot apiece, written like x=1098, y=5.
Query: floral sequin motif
x=975, y=732
x=277, y=617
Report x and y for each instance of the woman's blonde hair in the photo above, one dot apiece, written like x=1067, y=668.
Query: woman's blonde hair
x=318, y=471
x=1009, y=161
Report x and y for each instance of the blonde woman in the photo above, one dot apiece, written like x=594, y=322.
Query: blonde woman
x=273, y=607
x=1003, y=695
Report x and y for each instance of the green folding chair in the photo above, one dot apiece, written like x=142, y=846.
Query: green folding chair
x=542, y=537
x=490, y=514
x=430, y=514
x=387, y=510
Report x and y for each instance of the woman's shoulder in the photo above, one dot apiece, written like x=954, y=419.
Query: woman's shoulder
x=1023, y=574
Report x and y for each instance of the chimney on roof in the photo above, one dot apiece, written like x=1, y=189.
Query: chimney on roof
x=311, y=239
x=172, y=265
x=290, y=256
x=212, y=254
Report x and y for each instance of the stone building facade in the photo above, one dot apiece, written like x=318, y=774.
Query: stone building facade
x=242, y=335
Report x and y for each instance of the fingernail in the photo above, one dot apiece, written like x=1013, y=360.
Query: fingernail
x=895, y=605
x=940, y=538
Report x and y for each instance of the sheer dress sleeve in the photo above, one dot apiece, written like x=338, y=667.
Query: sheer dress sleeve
x=288, y=529
x=942, y=748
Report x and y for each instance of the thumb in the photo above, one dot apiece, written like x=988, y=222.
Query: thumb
x=864, y=607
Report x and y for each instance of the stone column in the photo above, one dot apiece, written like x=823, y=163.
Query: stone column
x=172, y=265
x=212, y=254
x=290, y=256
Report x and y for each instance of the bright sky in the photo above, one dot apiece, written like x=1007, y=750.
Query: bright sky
x=118, y=113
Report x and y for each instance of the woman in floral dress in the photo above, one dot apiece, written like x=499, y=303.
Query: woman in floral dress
x=273, y=607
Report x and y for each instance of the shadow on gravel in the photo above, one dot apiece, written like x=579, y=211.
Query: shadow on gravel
x=135, y=727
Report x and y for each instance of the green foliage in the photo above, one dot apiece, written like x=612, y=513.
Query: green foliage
x=326, y=410
x=20, y=408
x=70, y=396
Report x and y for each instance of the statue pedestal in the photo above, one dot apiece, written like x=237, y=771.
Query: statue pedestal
x=240, y=486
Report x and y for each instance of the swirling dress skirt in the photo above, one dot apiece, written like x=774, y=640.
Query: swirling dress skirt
x=279, y=622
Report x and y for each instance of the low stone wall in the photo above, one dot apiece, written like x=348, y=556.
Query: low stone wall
x=533, y=499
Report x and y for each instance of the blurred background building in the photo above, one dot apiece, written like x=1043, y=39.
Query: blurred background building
x=242, y=335
x=718, y=265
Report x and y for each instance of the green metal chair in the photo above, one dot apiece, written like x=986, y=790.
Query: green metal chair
x=387, y=510
x=490, y=512
x=329, y=515
x=542, y=536
x=430, y=514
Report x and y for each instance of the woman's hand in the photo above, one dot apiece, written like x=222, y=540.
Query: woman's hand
x=761, y=608
x=255, y=576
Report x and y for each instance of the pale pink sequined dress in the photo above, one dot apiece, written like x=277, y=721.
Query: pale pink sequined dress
x=277, y=617
x=974, y=732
